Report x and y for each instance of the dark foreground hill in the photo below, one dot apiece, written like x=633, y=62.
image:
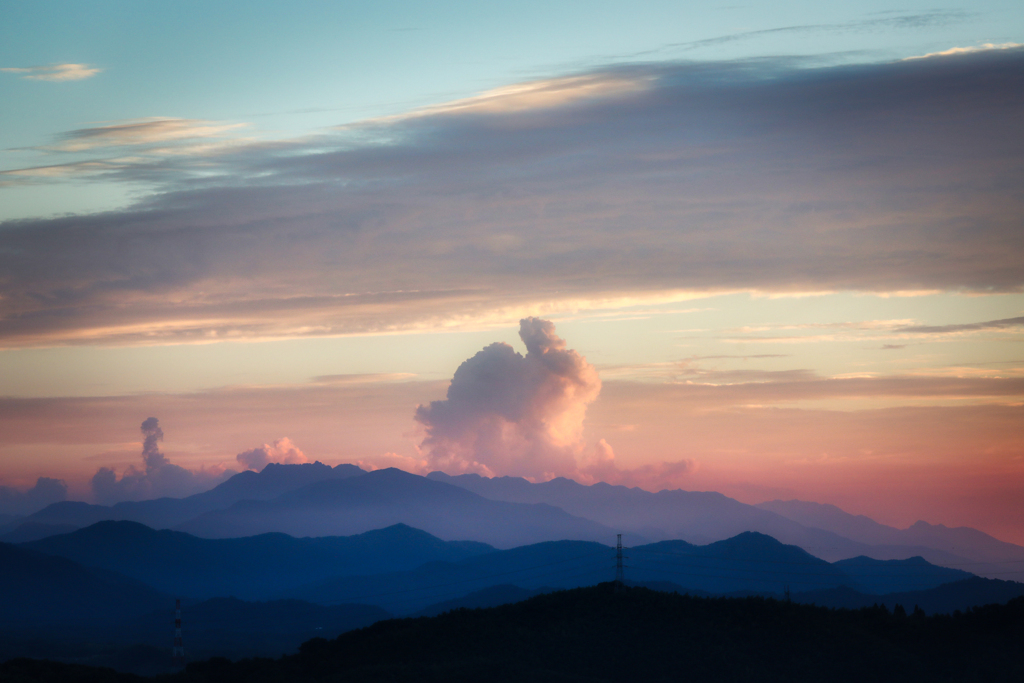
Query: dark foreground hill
x=222, y=627
x=609, y=633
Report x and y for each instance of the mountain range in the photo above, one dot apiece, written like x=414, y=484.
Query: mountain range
x=104, y=594
x=403, y=569
x=318, y=500
x=701, y=517
x=252, y=568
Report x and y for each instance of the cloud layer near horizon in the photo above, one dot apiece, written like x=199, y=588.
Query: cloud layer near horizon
x=949, y=451
x=641, y=182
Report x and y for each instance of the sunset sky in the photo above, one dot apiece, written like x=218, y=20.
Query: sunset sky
x=774, y=250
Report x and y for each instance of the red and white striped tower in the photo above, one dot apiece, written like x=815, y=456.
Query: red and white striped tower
x=178, y=654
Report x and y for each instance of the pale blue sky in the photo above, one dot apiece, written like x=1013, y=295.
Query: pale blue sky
x=291, y=69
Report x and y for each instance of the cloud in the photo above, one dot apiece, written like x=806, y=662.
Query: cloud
x=151, y=148
x=1004, y=324
x=984, y=47
x=148, y=131
x=895, y=21
x=151, y=454
x=600, y=465
x=509, y=414
x=695, y=179
x=926, y=389
x=159, y=477
x=506, y=413
x=55, y=72
x=14, y=501
x=282, y=451
x=536, y=96
x=866, y=330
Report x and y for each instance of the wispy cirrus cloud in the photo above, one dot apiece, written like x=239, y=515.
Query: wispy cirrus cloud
x=864, y=330
x=150, y=131
x=1004, y=324
x=143, y=149
x=55, y=72
x=539, y=95
x=890, y=21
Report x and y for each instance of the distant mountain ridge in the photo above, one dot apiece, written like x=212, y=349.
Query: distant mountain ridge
x=959, y=540
x=273, y=480
x=703, y=517
x=253, y=568
x=749, y=562
x=391, y=496
x=39, y=590
x=52, y=602
x=163, y=513
x=318, y=500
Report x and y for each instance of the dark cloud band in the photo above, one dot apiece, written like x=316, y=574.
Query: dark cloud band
x=632, y=181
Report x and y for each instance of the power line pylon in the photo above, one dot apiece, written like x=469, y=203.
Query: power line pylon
x=620, y=575
x=178, y=653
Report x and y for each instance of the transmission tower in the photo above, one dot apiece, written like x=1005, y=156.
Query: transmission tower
x=178, y=654
x=620, y=575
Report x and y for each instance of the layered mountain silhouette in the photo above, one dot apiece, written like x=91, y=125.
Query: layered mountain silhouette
x=318, y=500
x=701, y=517
x=43, y=591
x=890, y=576
x=749, y=563
x=103, y=594
x=163, y=513
x=962, y=541
x=253, y=568
x=390, y=496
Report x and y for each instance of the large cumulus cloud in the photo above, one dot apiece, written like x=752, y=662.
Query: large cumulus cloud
x=510, y=414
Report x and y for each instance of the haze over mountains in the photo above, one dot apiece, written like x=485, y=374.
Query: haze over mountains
x=318, y=500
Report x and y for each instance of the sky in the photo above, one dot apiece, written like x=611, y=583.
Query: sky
x=770, y=249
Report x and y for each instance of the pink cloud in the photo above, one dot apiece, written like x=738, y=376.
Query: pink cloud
x=506, y=413
x=281, y=451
